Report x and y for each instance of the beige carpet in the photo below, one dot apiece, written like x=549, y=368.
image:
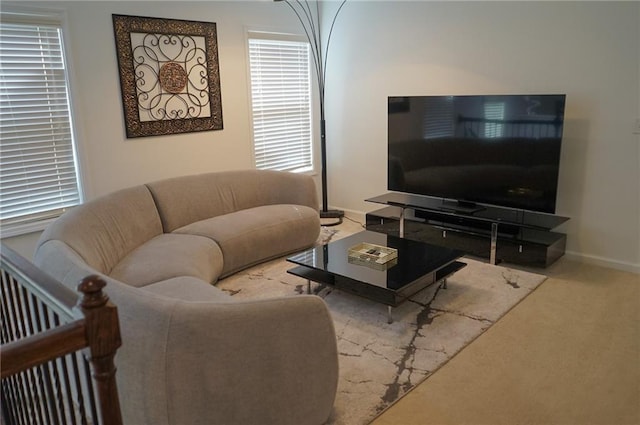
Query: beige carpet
x=380, y=362
x=568, y=354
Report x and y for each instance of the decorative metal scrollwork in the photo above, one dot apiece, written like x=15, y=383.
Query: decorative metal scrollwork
x=171, y=76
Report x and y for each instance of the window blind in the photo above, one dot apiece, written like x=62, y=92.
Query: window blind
x=38, y=178
x=281, y=104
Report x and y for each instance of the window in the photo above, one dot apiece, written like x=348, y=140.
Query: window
x=280, y=71
x=38, y=177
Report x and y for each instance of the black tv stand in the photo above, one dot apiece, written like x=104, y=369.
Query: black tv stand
x=500, y=234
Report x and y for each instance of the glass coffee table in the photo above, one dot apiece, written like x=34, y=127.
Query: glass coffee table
x=417, y=266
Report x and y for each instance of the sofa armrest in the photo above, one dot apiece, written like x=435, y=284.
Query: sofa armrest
x=260, y=362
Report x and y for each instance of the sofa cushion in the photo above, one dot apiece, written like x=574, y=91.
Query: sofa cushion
x=105, y=230
x=188, y=288
x=250, y=236
x=187, y=199
x=170, y=255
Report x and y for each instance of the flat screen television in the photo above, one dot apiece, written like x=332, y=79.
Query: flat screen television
x=501, y=150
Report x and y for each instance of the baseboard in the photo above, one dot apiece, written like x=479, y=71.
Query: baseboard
x=602, y=261
x=357, y=216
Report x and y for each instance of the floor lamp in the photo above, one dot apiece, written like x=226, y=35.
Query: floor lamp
x=311, y=24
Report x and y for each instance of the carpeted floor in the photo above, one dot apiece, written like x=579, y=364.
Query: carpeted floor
x=380, y=362
x=568, y=354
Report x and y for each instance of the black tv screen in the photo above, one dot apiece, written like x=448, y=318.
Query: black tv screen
x=499, y=150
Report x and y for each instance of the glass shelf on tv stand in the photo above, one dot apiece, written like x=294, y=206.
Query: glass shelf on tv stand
x=495, y=216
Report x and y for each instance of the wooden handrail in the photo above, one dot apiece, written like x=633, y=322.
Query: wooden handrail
x=40, y=348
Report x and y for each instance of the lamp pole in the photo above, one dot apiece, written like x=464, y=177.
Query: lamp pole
x=311, y=25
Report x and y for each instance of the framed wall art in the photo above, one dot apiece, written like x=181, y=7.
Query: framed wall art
x=169, y=75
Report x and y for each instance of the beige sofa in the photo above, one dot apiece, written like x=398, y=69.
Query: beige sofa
x=191, y=353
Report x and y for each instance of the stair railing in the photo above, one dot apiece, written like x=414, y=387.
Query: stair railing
x=58, y=348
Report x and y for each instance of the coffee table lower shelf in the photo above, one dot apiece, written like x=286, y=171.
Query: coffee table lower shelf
x=389, y=297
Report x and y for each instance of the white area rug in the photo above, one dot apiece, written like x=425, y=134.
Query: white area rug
x=380, y=362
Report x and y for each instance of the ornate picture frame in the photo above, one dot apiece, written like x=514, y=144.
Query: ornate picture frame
x=169, y=75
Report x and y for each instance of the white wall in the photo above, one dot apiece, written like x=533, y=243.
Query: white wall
x=588, y=50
